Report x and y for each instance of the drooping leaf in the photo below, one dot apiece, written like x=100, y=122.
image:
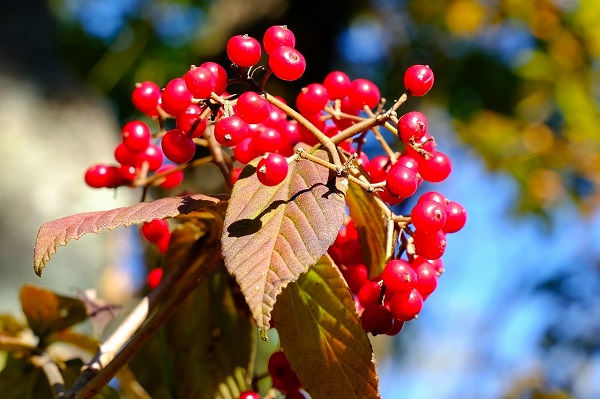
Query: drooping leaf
x=47, y=312
x=58, y=232
x=322, y=336
x=370, y=221
x=211, y=335
x=274, y=234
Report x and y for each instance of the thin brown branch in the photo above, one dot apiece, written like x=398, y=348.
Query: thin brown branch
x=52, y=372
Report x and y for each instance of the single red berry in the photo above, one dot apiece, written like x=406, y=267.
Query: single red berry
x=406, y=305
x=243, y=50
x=369, y=293
x=456, y=217
x=124, y=156
x=177, y=146
x=277, y=36
x=287, y=63
x=252, y=107
x=398, y=276
x=389, y=198
x=220, y=75
x=244, y=151
x=438, y=265
x=290, y=129
x=272, y=169
x=376, y=319
x=101, y=175
x=176, y=97
x=136, y=136
x=426, y=143
x=378, y=168
x=189, y=121
x=435, y=168
x=200, y=81
x=427, y=278
x=337, y=84
x=128, y=172
x=145, y=97
x=412, y=125
x=363, y=92
x=249, y=395
x=418, y=80
x=283, y=376
x=396, y=327
x=312, y=99
x=155, y=230
x=428, y=216
x=267, y=139
x=277, y=118
x=430, y=245
x=153, y=155
x=352, y=253
x=163, y=243
x=172, y=179
x=230, y=131
x=154, y=277
x=356, y=276
x=434, y=196
x=402, y=181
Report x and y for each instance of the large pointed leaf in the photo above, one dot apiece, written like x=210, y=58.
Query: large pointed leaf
x=274, y=234
x=47, y=312
x=322, y=336
x=58, y=232
x=370, y=221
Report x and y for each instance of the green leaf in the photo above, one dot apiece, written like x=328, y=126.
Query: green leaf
x=211, y=335
x=58, y=232
x=10, y=326
x=47, y=312
x=322, y=336
x=370, y=221
x=274, y=234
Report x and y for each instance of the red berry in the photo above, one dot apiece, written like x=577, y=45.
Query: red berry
x=187, y=120
x=312, y=99
x=337, y=84
x=249, y=395
x=252, y=107
x=172, y=179
x=412, y=125
x=376, y=319
x=200, y=81
x=398, y=276
x=402, y=181
x=363, y=92
x=426, y=143
x=435, y=168
x=456, y=217
x=287, y=63
x=128, y=172
x=272, y=169
x=378, y=168
x=244, y=152
x=153, y=155
x=406, y=305
x=356, y=276
x=163, y=243
x=220, y=75
x=230, y=131
x=176, y=97
x=277, y=36
x=155, y=230
x=280, y=370
x=427, y=278
x=434, y=196
x=267, y=139
x=177, y=146
x=100, y=175
x=396, y=327
x=136, y=136
x=154, y=277
x=243, y=50
x=124, y=156
x=418, y=80
x=145, y=97
x=428, y=216
x=369, y=293
x=430, y=245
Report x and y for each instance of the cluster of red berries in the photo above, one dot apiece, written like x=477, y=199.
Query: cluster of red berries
x=283, y=377
x=156, y=232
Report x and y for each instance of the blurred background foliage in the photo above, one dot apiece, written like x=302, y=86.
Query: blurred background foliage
x=517, y=85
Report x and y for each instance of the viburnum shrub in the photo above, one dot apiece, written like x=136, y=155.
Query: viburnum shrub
x=304, y=240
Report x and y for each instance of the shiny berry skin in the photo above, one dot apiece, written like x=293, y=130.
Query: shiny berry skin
x=363, y=92
x=418, y=80
x=427, y=278
x=430, y=245
x=230, y=131
x=124, y=156
x=155, y=230
x=396, y=327
x=145, y=97
x=406, y=305
x=434, y=196
x=267, y=139
x=220, y=75
x=171, y=180
x=243, y=50
x=200, y=81
x=369, y=293
x=376, y=319
x=428, y=216
x=277, y=36
x=136, y=136
x=154, y=277
x=378, y=168
x=244, y=152
x=402, y=181
x=287, y=63
x=312, y=99
x=435, y=168
x=249, y=395
x=398, y=276
x=337, y=84
x=412, y=125
x=101, y=175
x=272, y=169
x=176, y=97
x=187, y=120
x=456, y=217
x=252, y=107
x=177, y=146
x=153, y=155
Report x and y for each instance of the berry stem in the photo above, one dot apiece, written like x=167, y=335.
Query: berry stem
x=224, y=163
x=377, y=133
x=52, y=372
x=148, y=181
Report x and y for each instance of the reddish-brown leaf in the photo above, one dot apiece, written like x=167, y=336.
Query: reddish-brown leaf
x=58, y=232
x=274, y=234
